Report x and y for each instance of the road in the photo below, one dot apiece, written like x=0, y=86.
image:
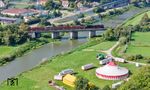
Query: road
x=22, y=3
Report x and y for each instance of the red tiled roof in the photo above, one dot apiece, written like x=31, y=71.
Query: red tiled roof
x=17, y=11
x=42, y=0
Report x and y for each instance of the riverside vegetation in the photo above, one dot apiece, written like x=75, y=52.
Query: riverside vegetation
x=15, y=41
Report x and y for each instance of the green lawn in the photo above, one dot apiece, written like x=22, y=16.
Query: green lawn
x=136, y=19
x=5, y=50
x=20, y=6
x=140, y=44
x=37, y=79
x=101, y=46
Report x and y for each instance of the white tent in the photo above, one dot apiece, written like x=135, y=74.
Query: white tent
x=112, y=72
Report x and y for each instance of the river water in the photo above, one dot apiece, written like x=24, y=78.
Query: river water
x=35, y=57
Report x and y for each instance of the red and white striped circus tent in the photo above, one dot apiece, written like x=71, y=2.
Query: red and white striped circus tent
x=111, y=71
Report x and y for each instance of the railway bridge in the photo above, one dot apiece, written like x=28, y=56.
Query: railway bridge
x=35, y=32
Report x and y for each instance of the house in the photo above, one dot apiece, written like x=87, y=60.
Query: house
x=18, y=12
x=65, y=3
x=6, y=20
x=79, y=4
x=42, y=2
x=27, y=18
x=2, y=4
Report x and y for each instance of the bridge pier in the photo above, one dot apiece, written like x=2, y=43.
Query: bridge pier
x=35, y=34
x=92, y=34
x=55, y=35
x=73, y=35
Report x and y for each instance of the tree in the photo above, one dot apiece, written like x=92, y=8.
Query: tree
x=139, y=56
x=23, y=27
x=8, y=37
x=98, y=10
x=57, y=13
x=139, y=81
x=84, y=84
x=50, y=5
x=83, y=20
x=123, y=40
x=81, y=83
x=81, y=15
x=76, y=22
x=14, y=34
x=44, y=22
x=23, y=33
x=106, y=88
x=91, y=86
x=145, y=19
x=109, y=34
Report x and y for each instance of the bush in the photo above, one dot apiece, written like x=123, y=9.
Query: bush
x=148, y=61
x=36, y=20
x=135, y=57
x=139, y=56
x=106, y=88
x=84, y=84
x=98, y=10
x=81, y=15
x=131, y=58
x=111, y=12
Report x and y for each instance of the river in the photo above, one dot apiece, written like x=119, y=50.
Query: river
x=35, y=57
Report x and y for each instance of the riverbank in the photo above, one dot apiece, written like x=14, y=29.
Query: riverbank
x=135, y=19
x=97, y=17
x=139, y=44
x=11, y=52
x=38, y=77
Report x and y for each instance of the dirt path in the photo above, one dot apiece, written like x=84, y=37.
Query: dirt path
x=109, y=53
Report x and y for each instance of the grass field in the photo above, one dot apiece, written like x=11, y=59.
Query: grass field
x=20, y=6
x=140, y=44
x=5, y=50
x=136, y=19
x=37, y=79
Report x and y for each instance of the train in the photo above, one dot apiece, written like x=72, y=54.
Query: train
x=66, y=27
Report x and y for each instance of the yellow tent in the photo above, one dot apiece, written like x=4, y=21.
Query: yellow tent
x=69, y=80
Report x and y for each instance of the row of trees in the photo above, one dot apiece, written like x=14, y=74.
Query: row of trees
x=124, y=33
x=13, y=34
x=120, y=32
x=144, y=25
